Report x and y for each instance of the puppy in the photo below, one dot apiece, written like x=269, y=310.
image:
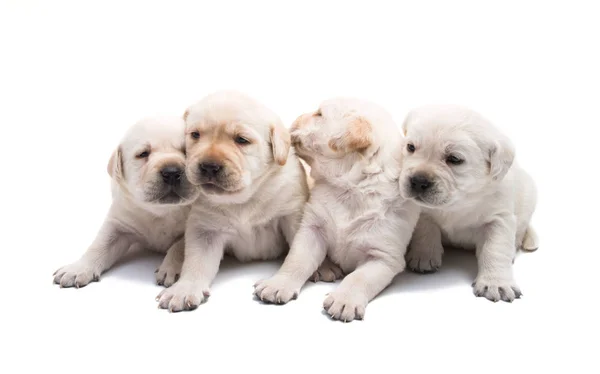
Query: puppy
x=461, y=170
x=151, y=200
x=355, y=214
x=253, y=190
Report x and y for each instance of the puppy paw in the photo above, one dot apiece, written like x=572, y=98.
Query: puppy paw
x=182, y=296
x=77, y=274
x=168, y=273
x=496, y=288
x=425, y=260
x=276, y=290
x=345, y=306
x=327, y=272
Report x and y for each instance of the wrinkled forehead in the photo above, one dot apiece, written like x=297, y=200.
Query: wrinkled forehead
x=442, y=138
x=155, y=135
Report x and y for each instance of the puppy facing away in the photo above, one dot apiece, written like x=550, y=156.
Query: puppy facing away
x=460, y=169
x=355, y=214
x=151, y=201
x=253, y=190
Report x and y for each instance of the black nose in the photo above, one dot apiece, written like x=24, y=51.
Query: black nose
x=209, y=169
x=171, y=174
x=419, y=183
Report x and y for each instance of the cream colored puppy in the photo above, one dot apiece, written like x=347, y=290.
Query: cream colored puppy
x=253, y=189
x=151, y=200
x=461, y=170
x=355, y=213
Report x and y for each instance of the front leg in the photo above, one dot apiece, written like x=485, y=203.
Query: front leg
x=350, y=299
x=108, y=247
x=170, y=268
x=425, y=250
x=328, y=271
x=307, y=252
x=202, y=257
x=495, y=252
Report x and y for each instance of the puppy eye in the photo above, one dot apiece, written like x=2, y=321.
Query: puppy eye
x=195, y=134
x=454, y=160
x=241, y=140
x=143, y=154
x=318, y=113
x=410, y=148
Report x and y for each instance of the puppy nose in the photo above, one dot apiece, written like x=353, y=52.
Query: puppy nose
x=210, y=168
x=419, y=183
x=171, y=174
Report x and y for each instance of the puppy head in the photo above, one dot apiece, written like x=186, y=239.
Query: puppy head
x=451, y=152
x=149, y=164
x=342, y=134
x=232, y=141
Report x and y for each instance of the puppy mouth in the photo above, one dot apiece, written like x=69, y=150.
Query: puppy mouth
x=170, y=197
x=213, y=188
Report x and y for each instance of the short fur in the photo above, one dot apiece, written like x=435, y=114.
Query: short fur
x=355, y=214
x=251, y=206
x=484, y=202
x=146, y=212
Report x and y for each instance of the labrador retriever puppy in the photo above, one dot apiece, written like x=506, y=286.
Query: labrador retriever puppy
x=151, y=201
x=253, y=190
x=355, y=214
x=460, y=169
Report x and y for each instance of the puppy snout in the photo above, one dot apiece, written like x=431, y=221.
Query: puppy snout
x=171, y=175
x=210, y=168
x=420, y=183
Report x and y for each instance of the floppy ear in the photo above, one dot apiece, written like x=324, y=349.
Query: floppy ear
x=357, y=137
x=115, y=165
x=501, y=157
x=280, y=143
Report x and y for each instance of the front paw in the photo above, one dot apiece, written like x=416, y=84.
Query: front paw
x=345, y=306
x=327, y=272
x=182, y=296
x=496, y=288
x=168, y=273
x=276, y=290
x=425, y=260
x=77, y=274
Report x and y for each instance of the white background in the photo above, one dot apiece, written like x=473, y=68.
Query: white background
x=74, y=76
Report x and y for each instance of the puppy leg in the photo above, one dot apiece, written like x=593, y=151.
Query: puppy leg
x=306, y=254
x=108, y=247
x=495, y=254
x=350, y=299
x=202, y=256
x=425, y=250
x=170, y=268
x=327, y=271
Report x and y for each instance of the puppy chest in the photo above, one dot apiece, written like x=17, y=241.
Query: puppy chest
x=262, y=242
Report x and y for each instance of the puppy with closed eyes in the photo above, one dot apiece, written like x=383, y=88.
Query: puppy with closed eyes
x=355, y=214
x=460, y=169
x=253, y=190
x=151, y=201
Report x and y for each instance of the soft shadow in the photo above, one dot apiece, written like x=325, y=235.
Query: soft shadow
x=137, y=266
x=459, y=267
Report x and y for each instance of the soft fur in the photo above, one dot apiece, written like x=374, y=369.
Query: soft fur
x=148, y=210
x=355, y=214
x=252, y=191
x=461, y=170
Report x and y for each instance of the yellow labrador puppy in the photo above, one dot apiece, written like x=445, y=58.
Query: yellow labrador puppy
x=253, y=190
x=355, y=213
x=151, y=201
x=461, y=170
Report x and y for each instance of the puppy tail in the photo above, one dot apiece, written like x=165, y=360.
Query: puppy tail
x=530, y=240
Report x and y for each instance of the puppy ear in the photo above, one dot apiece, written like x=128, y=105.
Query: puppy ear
x=115, y=165
x=501, y=157
x=357, y=137
x=186, y=114
x=280, y=143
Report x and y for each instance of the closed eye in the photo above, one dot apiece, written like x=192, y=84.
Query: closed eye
x=241, y=140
